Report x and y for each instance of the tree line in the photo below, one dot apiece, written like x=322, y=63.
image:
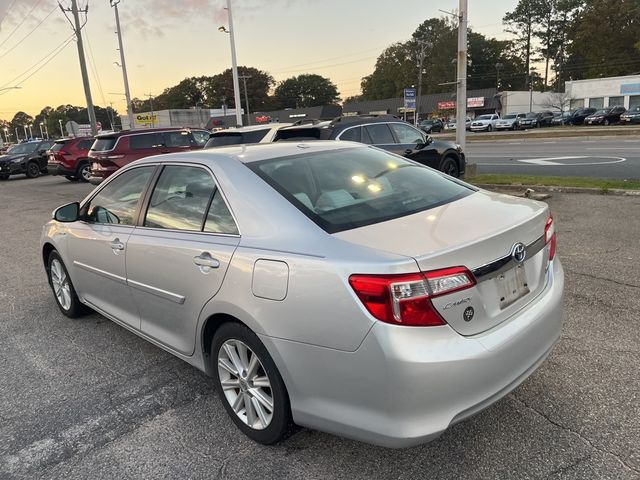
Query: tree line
x=565, y=39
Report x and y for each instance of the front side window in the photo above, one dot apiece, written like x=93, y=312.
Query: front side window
x=352, y=187
x=407, y=134
x=180, y=199
x=117, y=202
x=200, y=136
x=146, y=140
x=177, y=139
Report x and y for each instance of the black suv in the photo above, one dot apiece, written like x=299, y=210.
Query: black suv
x=387, y=132
x=29, y=158
x=578, y=116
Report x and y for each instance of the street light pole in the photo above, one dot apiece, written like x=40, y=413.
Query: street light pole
x=61, y=129
x=30, y=131
x=41, y=132
x=17, y=136
x=153, y=123
x=246, y=97
x=234, y=67
x=421, y=55
x=498, y=67
x=123, y=64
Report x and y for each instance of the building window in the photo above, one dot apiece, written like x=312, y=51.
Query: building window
x=616, y=101
x=634, y=101
x=597, y=102
x=576, y=103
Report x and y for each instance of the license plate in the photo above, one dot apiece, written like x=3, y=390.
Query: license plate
x=512, y=286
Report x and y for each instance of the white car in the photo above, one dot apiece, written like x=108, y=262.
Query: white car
x=510, y=121
x=244, y=135
x=452, y=125
x=485, y=123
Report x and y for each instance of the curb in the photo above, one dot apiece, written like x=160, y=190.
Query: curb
x=525, y=138
x=550, y=189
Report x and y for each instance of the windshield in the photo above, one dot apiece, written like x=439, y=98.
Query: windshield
x=634, y=110
x=532, y=115
x=485, y=117
x=601, y=112
x=23, y=148
x=349, y=188
x=222, y=139
x=510, y=116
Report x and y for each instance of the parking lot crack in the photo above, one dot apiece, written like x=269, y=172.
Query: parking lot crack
x=597, y=277
x=584, y=439
x=560, y=471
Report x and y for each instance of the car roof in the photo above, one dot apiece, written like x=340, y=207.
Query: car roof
x=147, y=130
x=257, y=152
x=251, y=128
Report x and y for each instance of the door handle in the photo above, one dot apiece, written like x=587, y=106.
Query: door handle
x=206, y=260
x=117, y=244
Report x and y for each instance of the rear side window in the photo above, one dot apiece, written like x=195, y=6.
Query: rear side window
x=57, y=146
x=219, y=219
x=407, y=134
x=349, y=188
x=200, y=136
x=180, y=199
x=103, y=144
x=352, y=134
x=236, y=138
x=380, y=134
x=147, y=140
x=85, y=144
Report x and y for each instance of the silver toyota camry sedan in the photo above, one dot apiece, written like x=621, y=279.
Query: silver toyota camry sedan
x=327, y=284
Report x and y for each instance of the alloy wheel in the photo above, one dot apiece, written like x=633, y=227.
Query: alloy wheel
x=33, y=170
x=245, y=384
x=60, y=283
x=85, y=172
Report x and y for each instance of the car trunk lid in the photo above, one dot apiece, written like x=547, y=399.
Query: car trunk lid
x=479, y=232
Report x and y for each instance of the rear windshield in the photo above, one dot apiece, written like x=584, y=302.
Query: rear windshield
x=300, y=134
x=57, y=146
x=532, y=115
x=104, y=143
x=349, y=188
x=222, y=139
x=509, y=117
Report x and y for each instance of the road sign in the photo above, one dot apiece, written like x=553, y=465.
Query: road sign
x=409, y=99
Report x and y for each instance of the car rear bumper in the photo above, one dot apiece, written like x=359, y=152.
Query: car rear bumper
x=482, y=128
x=405, y=385
x=59, y=169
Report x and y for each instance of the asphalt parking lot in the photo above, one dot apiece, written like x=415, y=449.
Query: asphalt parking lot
x=606, y=157
x=87, y=399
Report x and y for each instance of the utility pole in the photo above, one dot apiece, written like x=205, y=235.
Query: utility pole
x=61, y=129
x=123, y=64
x=421, y=55
x=153, y=122
x=244, y=79
x=77, y=28
x=461, y=98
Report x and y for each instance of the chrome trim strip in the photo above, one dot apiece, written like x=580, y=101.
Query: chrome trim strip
x=501, y=265
x=102, y=273
x=172, y=297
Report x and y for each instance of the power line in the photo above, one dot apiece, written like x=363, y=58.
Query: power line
x=94, y=70
x=28, y=34
x=53, y=52
x=20, y=24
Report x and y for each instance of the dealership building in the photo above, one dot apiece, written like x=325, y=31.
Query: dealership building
x=604, y=92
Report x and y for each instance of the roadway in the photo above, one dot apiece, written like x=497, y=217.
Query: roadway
x=607, y=157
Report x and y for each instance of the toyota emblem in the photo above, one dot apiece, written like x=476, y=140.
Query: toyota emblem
x=519, y=252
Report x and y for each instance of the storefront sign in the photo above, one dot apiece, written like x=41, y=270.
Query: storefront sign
x=146, y=120
x=379, y=112
x=450, y=105
x=630, y=89
x=263, y=119
x=475, y=102
x=409, y=99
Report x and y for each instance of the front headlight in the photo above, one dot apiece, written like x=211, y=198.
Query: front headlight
x=16, y=160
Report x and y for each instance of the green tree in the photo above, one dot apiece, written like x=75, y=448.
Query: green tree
x=521, y=23
x=602, y=38
x=19, y=121
x=307, y=90
x=218, y=89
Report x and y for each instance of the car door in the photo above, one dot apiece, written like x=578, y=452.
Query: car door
x=98, y=242
x=178, y=256
x=414, y=145
x=380, y=135
x=143, y=145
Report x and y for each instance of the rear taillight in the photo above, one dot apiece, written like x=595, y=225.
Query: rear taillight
x=406, y=299
x=550, y=237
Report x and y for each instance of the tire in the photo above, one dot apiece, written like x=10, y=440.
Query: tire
x=83, y=172
x=266, y=427
x=489, y=128
x=63, y=290
x=4, y=176
x=70, y=178
x=606, y=122
x=33, y=169
x=449, y=165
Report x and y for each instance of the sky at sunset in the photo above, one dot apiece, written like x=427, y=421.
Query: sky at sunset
x=168, y=40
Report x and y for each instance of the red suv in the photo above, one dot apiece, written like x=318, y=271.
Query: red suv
x=112, y=151
x=70, y=157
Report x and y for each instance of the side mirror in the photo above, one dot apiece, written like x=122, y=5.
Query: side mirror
x=67, y=213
